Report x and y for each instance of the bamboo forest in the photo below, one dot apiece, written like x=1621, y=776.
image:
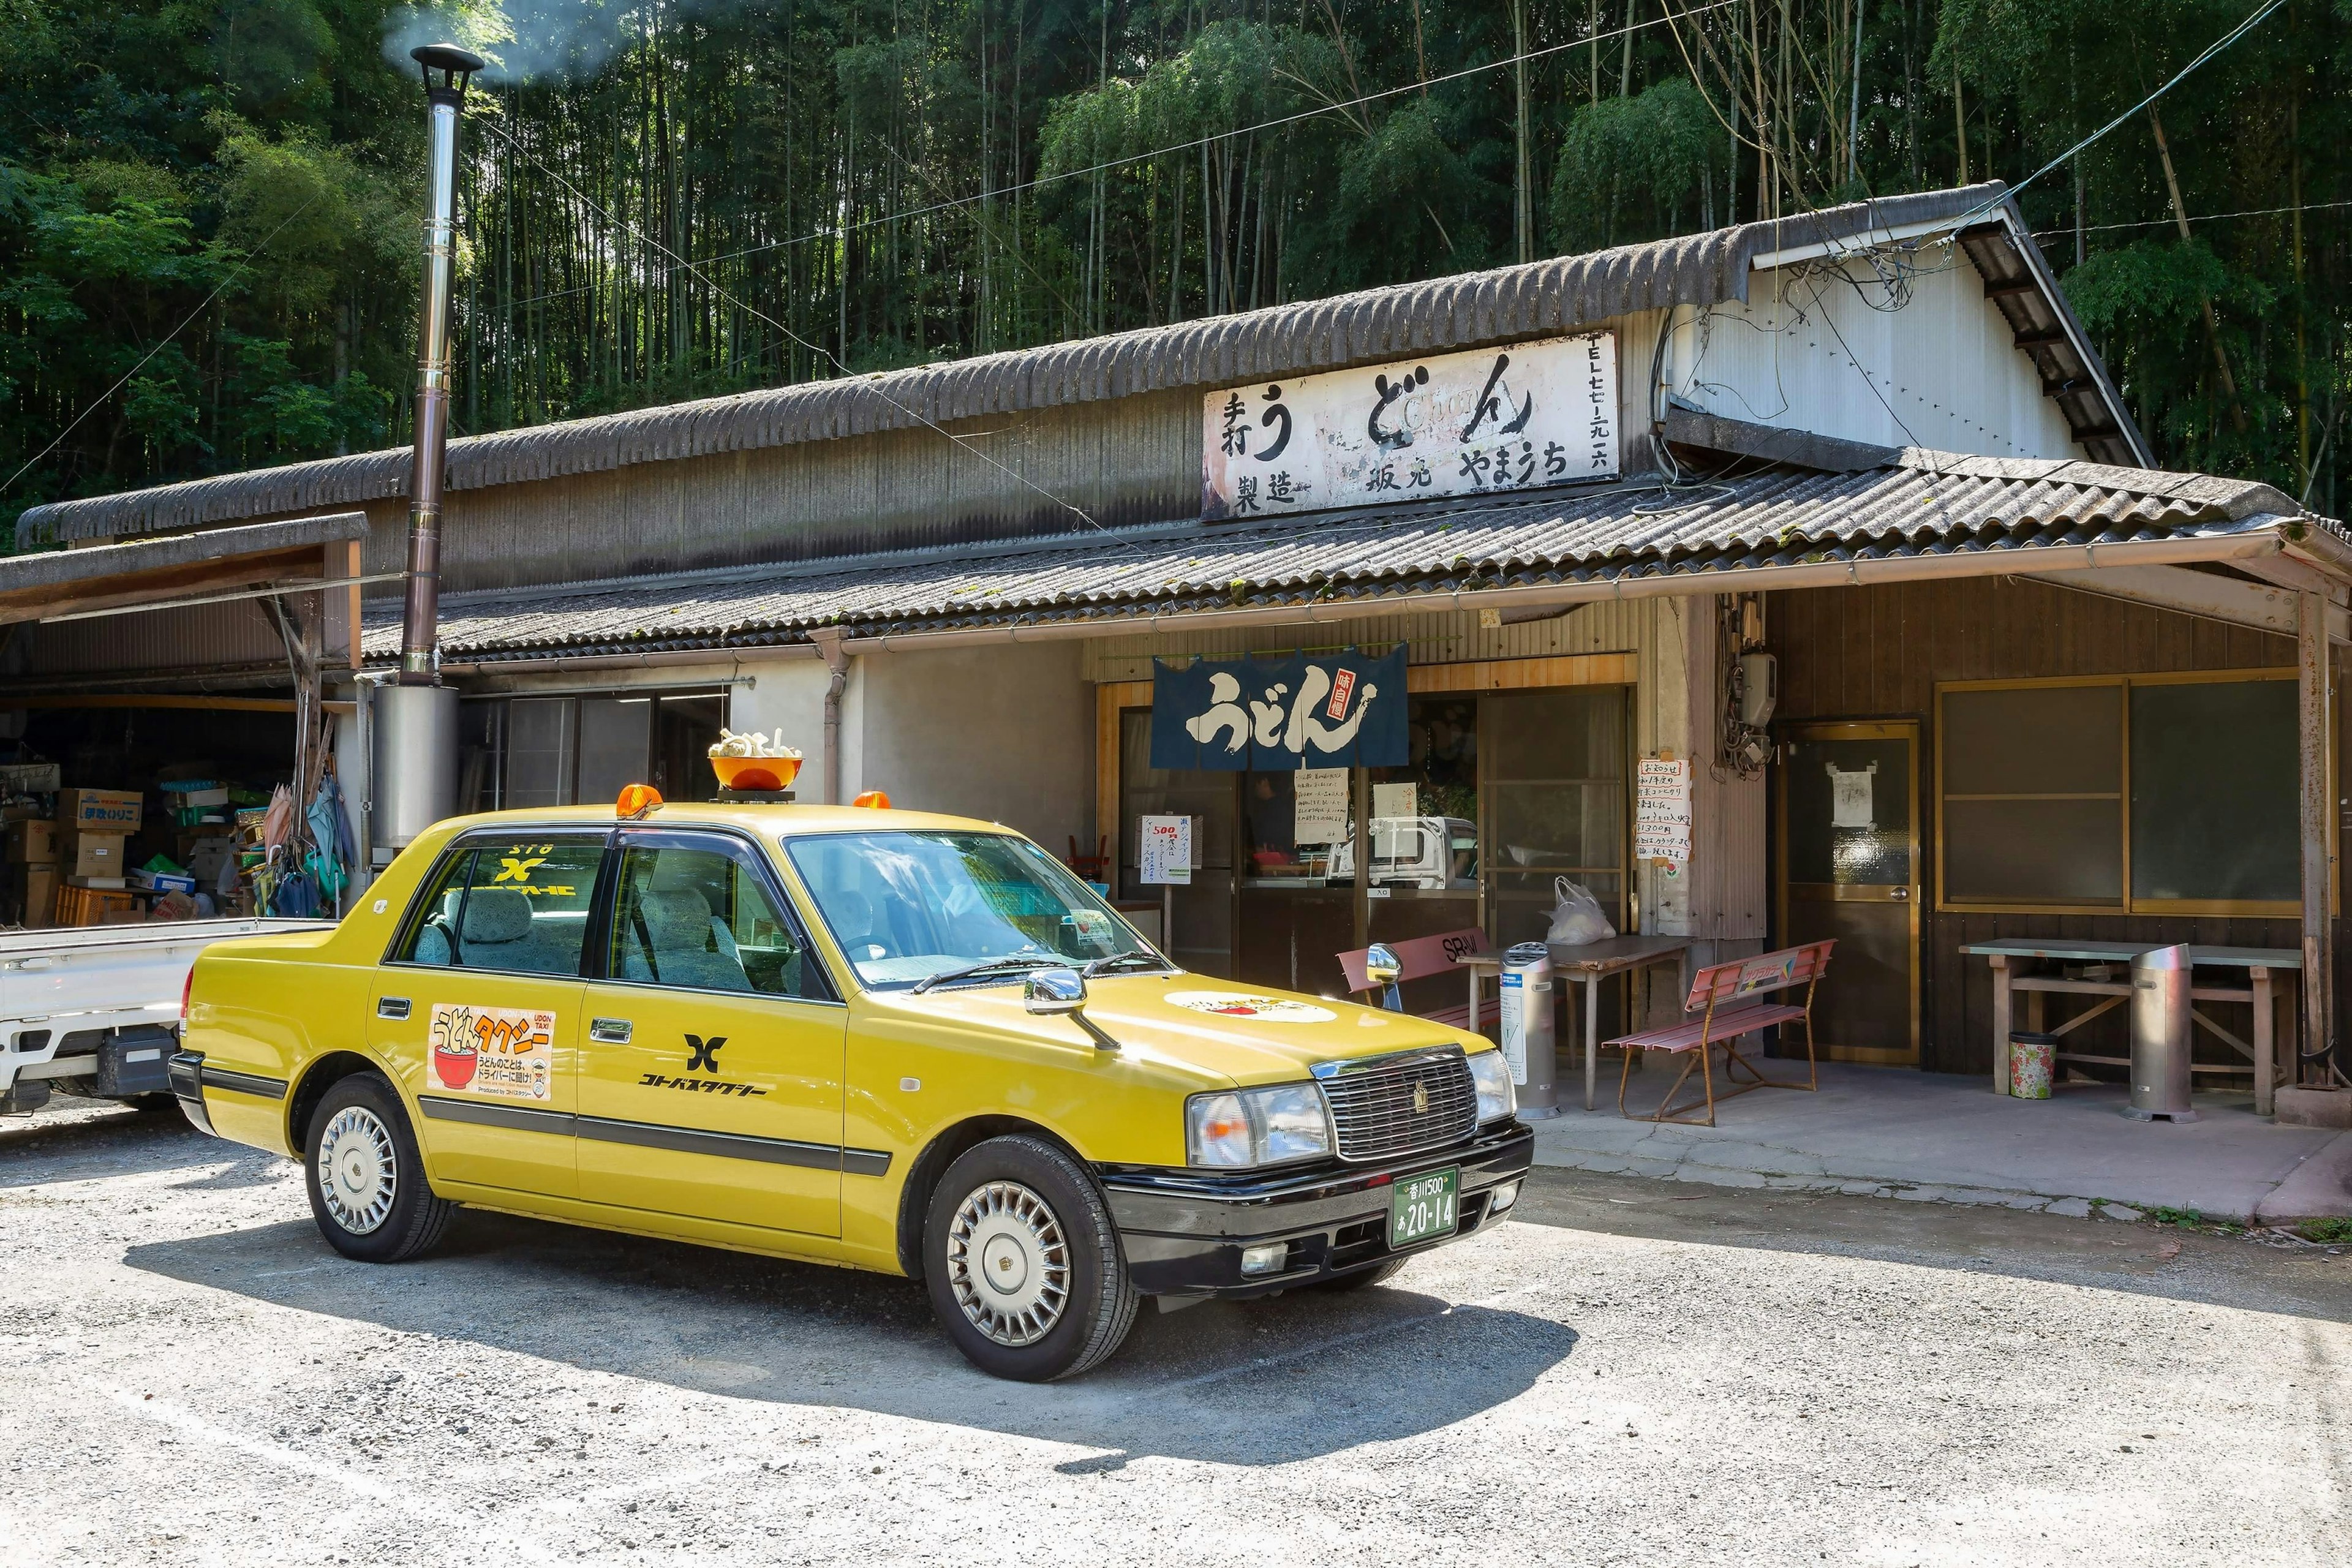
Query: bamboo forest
x=209, y=208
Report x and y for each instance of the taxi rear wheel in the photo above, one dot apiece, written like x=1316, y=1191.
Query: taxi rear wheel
x=1023, y=1264
x=365, y=1177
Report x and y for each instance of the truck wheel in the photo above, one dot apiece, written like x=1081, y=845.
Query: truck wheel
x=365, y=1177
x=1364, y=1278
x=1023, y=1262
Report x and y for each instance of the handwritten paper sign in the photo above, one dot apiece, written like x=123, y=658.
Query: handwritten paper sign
x=1661, y=810
x=1319, y=813
x=1488, y=422
x=1166, y=851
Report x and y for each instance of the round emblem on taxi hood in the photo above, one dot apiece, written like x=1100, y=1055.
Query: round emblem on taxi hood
x=1245, y=1004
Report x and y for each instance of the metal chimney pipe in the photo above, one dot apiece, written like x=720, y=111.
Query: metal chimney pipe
x=446, y=100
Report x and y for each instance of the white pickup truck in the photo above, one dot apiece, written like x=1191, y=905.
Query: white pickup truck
x=94, y=1010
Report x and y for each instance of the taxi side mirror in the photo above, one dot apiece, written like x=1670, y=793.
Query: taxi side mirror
x=1058, y=993
x=1381, y=968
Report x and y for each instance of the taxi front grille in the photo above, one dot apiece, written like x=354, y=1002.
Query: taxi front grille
x=1393, y=1106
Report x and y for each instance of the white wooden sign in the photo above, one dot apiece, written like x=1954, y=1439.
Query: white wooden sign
x=1661, y=810
x=1166, y=851
x=1485, y=423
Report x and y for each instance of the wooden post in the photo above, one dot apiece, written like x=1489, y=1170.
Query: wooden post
x=2000, y=1013
x=2313, y=700
x=2265, y=1047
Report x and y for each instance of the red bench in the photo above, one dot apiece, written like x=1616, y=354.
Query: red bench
x=1419, y=957
x=1728, y=1001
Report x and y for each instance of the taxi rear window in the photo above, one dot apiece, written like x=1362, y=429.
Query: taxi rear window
x=520, y=906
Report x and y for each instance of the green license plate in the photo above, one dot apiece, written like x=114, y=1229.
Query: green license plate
x=1425, y=1206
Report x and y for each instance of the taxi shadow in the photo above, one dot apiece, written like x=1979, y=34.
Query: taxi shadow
x=115, y=1140
x=1262, y=1383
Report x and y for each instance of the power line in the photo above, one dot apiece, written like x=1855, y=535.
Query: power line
x=99, y=401
x=2212, y=49
x=872, y=384
x=2201, y=217
x=1334, y=107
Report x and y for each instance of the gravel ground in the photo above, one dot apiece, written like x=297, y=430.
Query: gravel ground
x=1630, y=1373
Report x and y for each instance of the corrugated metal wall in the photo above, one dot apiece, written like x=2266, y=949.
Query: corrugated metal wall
x=1125, y=462
x=1817, y=348
x=204, y=637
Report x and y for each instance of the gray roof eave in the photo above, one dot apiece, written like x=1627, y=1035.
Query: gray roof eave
x=1555, y=295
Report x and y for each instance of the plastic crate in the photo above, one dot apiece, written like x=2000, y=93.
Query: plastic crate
x=90, y=906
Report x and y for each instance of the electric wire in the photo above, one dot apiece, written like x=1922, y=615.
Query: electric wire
x=95, y=404
x=694, y=271
x=2212, y=49
x=1334, y=107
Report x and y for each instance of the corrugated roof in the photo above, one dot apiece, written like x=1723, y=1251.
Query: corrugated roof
x=1369, y=327
x=1919, y=504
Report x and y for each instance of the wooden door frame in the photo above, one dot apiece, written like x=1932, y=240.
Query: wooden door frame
x=1913, y=730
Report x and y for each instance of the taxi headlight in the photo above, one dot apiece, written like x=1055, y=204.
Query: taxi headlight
x=1235, y=1130
x=1496, y=1098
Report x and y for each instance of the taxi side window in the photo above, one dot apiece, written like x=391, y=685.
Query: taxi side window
x=519, y=907
x=697, y=916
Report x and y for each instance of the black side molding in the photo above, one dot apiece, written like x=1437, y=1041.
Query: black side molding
x=658, y=1135
x=251, y=1083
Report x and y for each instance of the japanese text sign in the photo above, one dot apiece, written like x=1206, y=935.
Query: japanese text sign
x=1485, y=423
x=1661, y=810
x=1319, y=711
x=1165, y=851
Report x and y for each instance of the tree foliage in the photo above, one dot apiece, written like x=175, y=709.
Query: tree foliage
x=208, y=208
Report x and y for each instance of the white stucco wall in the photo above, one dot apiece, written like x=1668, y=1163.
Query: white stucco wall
x=1006, y=734
x=786, y=694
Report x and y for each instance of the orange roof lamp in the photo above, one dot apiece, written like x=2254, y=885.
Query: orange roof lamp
x=873, y=799
x=637, y=800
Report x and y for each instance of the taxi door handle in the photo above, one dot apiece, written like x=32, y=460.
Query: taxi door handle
x=391, y=1006
x=610, y=1031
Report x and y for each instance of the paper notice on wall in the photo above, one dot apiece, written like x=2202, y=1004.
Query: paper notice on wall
x=1319, y=813
x=1850, y=803
x=1661, y=810
x=1166, y=851
x=1395, y=800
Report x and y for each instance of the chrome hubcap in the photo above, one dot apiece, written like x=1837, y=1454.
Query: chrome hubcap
x=358, y=1173
x=1009, y=1263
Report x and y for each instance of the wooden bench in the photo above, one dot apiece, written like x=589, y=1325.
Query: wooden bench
x=1419, y=957
x=1727, y=1002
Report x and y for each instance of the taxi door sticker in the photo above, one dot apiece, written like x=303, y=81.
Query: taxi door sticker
x=506, y=1053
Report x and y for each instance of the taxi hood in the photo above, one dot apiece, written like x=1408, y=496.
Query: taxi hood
x=1248, y=1034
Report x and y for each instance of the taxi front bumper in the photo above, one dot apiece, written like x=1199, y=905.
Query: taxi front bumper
x=1184, y=1231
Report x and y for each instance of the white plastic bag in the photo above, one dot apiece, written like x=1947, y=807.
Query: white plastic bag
x=1576, y=917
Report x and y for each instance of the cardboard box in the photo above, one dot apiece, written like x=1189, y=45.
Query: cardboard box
x=93, y=855
x=100, y=884
x=34, y=891
x=33, y=843
x=162, y=882
x=101, y=810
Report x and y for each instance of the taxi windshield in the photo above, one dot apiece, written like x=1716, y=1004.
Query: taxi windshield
x=911, y=906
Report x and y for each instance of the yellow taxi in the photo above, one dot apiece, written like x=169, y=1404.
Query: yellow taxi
x=884, y=1039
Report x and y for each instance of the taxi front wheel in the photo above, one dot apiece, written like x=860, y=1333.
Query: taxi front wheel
x=1023, y=1264
x=365, y=1178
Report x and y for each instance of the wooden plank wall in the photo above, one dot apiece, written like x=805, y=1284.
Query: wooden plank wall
x=1877, y=653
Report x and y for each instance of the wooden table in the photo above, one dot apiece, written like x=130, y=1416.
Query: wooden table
x=1594, y=961
x=2272, y=976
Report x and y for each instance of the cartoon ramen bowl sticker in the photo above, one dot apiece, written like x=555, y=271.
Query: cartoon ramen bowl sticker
x=454, y=1064
x=1241, y=1005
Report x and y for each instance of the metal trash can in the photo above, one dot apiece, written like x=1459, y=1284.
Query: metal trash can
x=1528, y=1030
x=2160, y=1036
